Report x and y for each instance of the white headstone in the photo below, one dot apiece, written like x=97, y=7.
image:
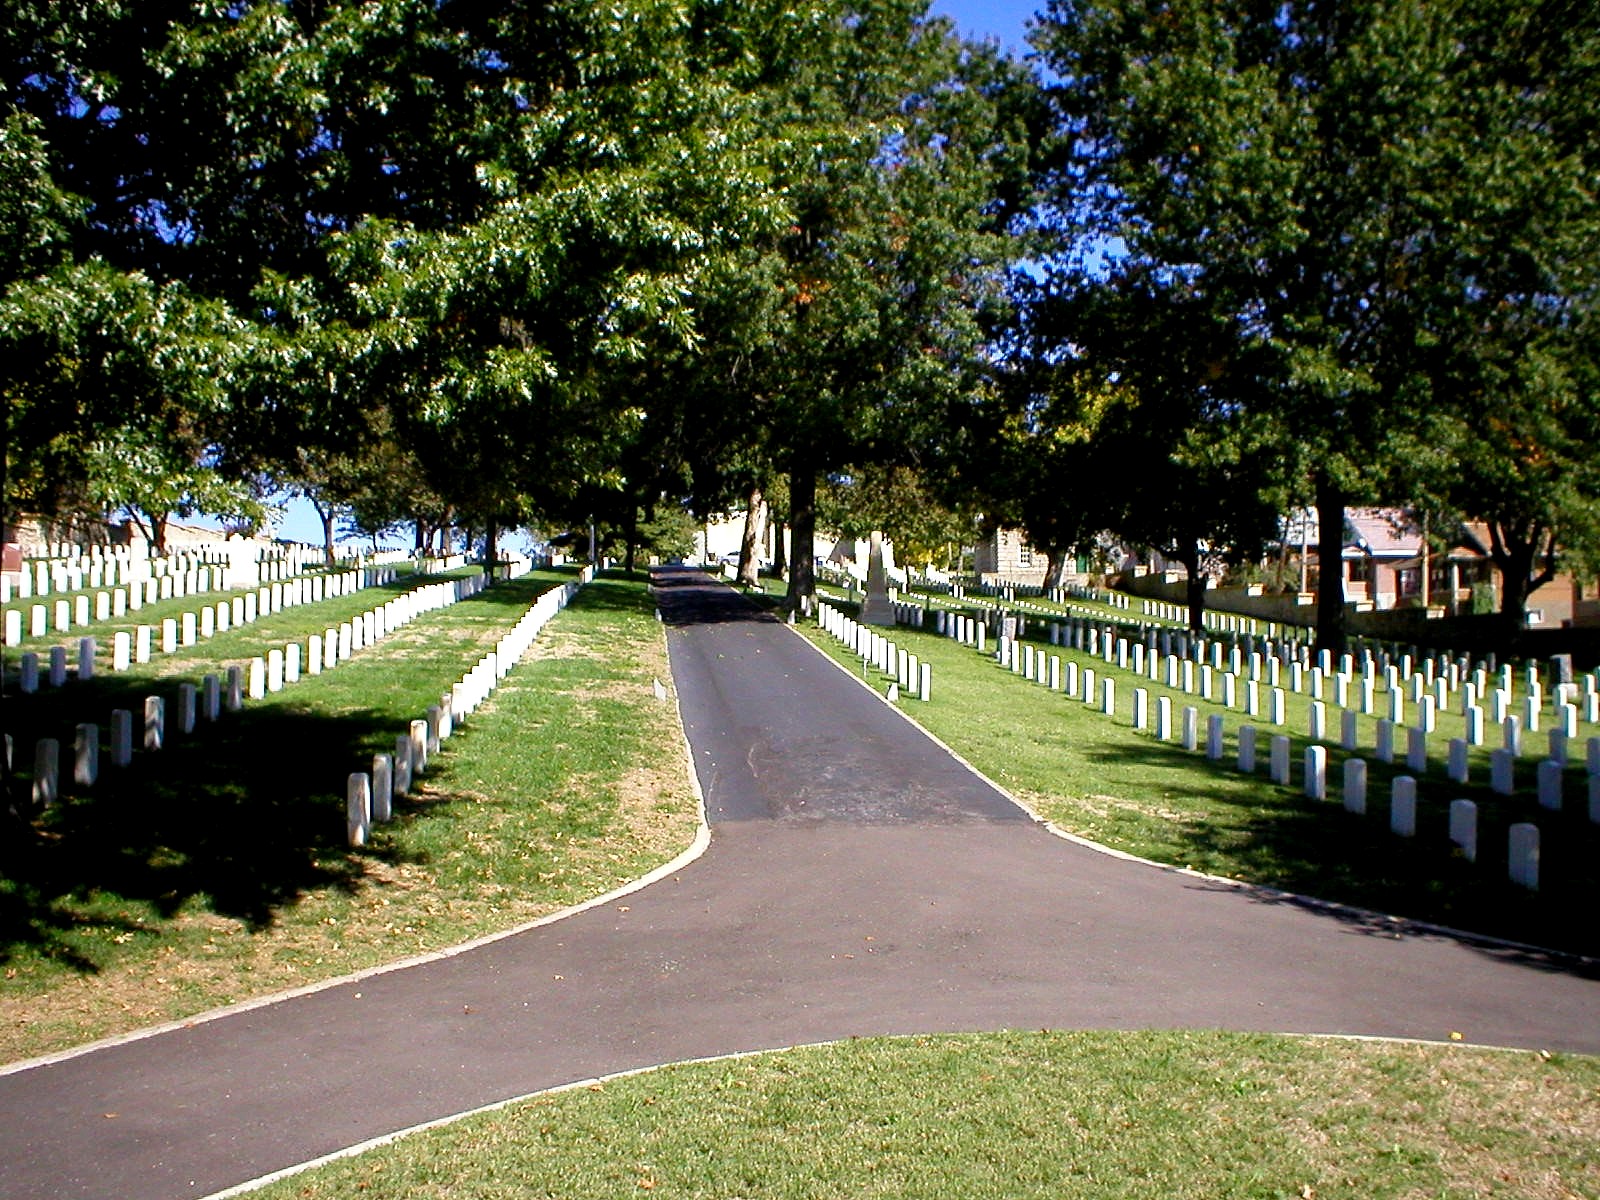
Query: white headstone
x=358, y=808
x=1523, y=857
x=155, y=722
x=1279, y=763
x=46, y=772
x=86, y=755
x=1316, y=772
x=382, y=788
x=1551, y=775
x=1502, y=772
x=1403, y=806
x=1355, y=785
x=1464, y=828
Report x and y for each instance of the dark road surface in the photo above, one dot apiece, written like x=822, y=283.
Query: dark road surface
x=858, y=881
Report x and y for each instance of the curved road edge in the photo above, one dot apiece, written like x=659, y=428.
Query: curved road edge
x=1391, y=923
x=696, y=848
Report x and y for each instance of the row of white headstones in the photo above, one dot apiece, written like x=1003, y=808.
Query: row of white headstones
x=284, y=586
x=1523, y=850
x=120, y=566
x=369, y=795
x=905, y=671
x=256, y=679
x=272, y=672
x=187, y=629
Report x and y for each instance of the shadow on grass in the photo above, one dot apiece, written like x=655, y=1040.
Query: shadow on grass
x=241, y=818
x=1349, y=867
x=238, y=818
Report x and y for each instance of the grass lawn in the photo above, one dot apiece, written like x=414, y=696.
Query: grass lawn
x=216, y=870
x=1096, y=776
x=1032, y=1114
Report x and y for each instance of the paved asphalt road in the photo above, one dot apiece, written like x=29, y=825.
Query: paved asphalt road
x=858, y=881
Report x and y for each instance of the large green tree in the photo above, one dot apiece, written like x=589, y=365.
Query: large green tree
x=1299, y=165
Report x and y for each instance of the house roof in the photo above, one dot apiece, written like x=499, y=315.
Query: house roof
x=1380, y=533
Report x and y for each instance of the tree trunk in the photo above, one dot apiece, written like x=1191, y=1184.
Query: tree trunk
x=155, y=526
x=631, y=538
x=780, y=552
x=1330, y=565
x=1195, y=587
x=491, y=548
x=1055, y=569
x=325, y=515
x=750, y=542
x=802, y=533
x=1515, y=553
x=421, y=545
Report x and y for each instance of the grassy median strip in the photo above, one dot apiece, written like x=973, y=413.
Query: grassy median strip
x=1096, y=776
x=216, y=870
x=1036, y=1114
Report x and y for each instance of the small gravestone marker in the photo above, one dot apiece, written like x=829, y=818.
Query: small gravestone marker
x=358, y=808
x=1214, y=737
x=186, y=706
x=58, y=666
x=1355, y=785
x=1316, y=772
x=1278, y=764
x=1385, y=741
x=1403, y=806
x=1502, y=772
x=1551, y=775
x=121, y=737
x=1417, y=749
x=1523, y=857
x=86, y=755
x=1459, y=768
x=382, y=788
x=155, y=722
x=402, y=764
x=1464, y=828
x=46, y=772
x=419, y=747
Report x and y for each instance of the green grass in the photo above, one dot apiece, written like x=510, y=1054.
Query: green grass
x=1097, y=777
x=216, y=870
x=1014, y=1115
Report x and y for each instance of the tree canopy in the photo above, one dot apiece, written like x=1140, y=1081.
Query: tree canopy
x=546, y=261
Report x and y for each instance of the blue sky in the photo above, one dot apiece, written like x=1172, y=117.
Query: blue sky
x=1006, y=21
